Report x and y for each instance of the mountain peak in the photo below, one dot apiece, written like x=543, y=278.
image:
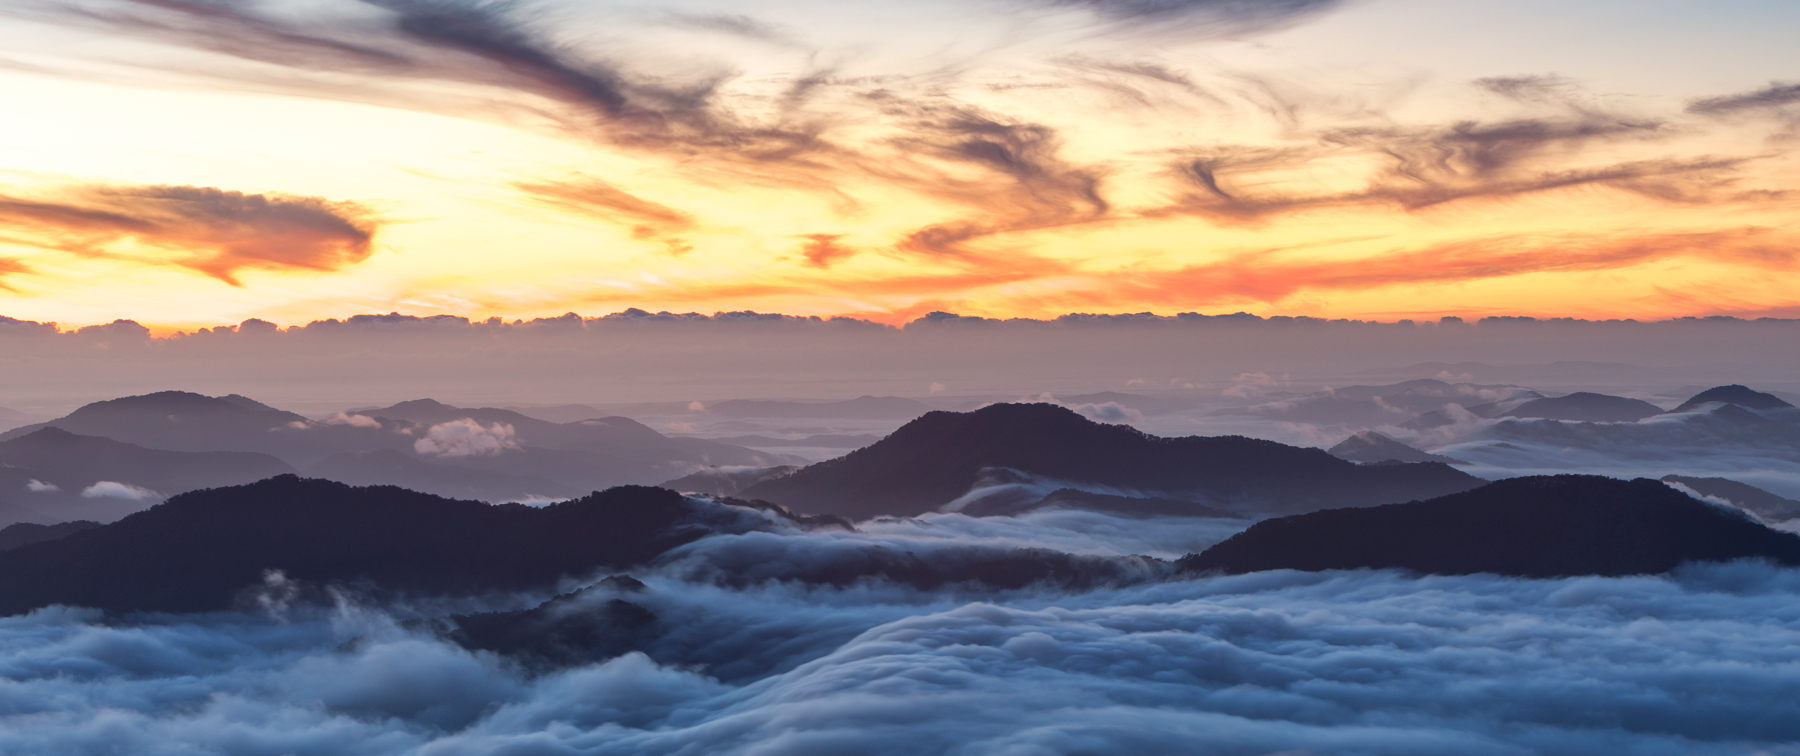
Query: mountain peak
x=246, y=402
x=417, y=405
x=1587, y=407
x=171, y=402
x=940, y=456
x=48, y=434
x=1369, y=447
x=1540, y=527
x=1743, y=396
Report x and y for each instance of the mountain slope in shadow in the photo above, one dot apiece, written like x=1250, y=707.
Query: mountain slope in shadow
x=1742, y=396
x=1369, y=447
x=726, y=481
x=26, y=533
x=64, y=476
x=208, y=550
x=1585, y=407
x=1763, y=504
x=938, y=457
x=1538, y=527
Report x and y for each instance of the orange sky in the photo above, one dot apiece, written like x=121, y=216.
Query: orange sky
x=188, y=163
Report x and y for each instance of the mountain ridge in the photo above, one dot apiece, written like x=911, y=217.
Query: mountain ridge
x=939, y=456
x=1534, y=527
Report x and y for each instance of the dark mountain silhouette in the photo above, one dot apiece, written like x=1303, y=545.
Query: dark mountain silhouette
x=205, y=550
x=861, y=408
x=1768, y=506
x=1528, y=527
x=1734, y=394
x=24, y=533
x=64, y=476
x=726, y=481
x=1587, y=408
x=581, y=627
x=977, y=566
x=1369, y=447
x=397, y=468
x=938, y=457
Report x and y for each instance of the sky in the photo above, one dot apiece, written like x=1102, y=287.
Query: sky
x=190, y=163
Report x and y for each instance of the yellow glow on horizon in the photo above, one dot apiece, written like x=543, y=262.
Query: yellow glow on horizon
x=1042, y=183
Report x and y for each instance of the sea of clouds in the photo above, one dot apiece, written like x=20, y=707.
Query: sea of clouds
x=1703, y=661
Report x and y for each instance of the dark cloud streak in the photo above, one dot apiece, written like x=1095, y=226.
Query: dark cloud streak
x=214, y=231
x=1776, y=95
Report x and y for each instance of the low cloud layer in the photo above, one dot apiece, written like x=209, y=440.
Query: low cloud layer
x=1331, y=663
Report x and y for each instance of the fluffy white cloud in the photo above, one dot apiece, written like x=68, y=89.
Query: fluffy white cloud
x=38, y=486
x=108, y=489
x=354, y=421
x=466, y=438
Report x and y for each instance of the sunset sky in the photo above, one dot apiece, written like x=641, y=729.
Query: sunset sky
x=191, y=163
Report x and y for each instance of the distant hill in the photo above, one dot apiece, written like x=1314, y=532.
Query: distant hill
x=159, y=419
x=1734, y=394
x=65, y=476
x=1369, y=447
x=1382, y=405
x=861, y=408
x=1768, y=506
x=387, y=467
x=727, y=481
x=617, y=437
x=1536, y=527
x=1587, y=408
x=936, y=458
x=185, y=421
x=13, y=418
x=209, y=550
x=24, y=533
x=581, y=456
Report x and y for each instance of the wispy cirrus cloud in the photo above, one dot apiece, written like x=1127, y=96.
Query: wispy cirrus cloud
x=217, y=232
x=1776, y=95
